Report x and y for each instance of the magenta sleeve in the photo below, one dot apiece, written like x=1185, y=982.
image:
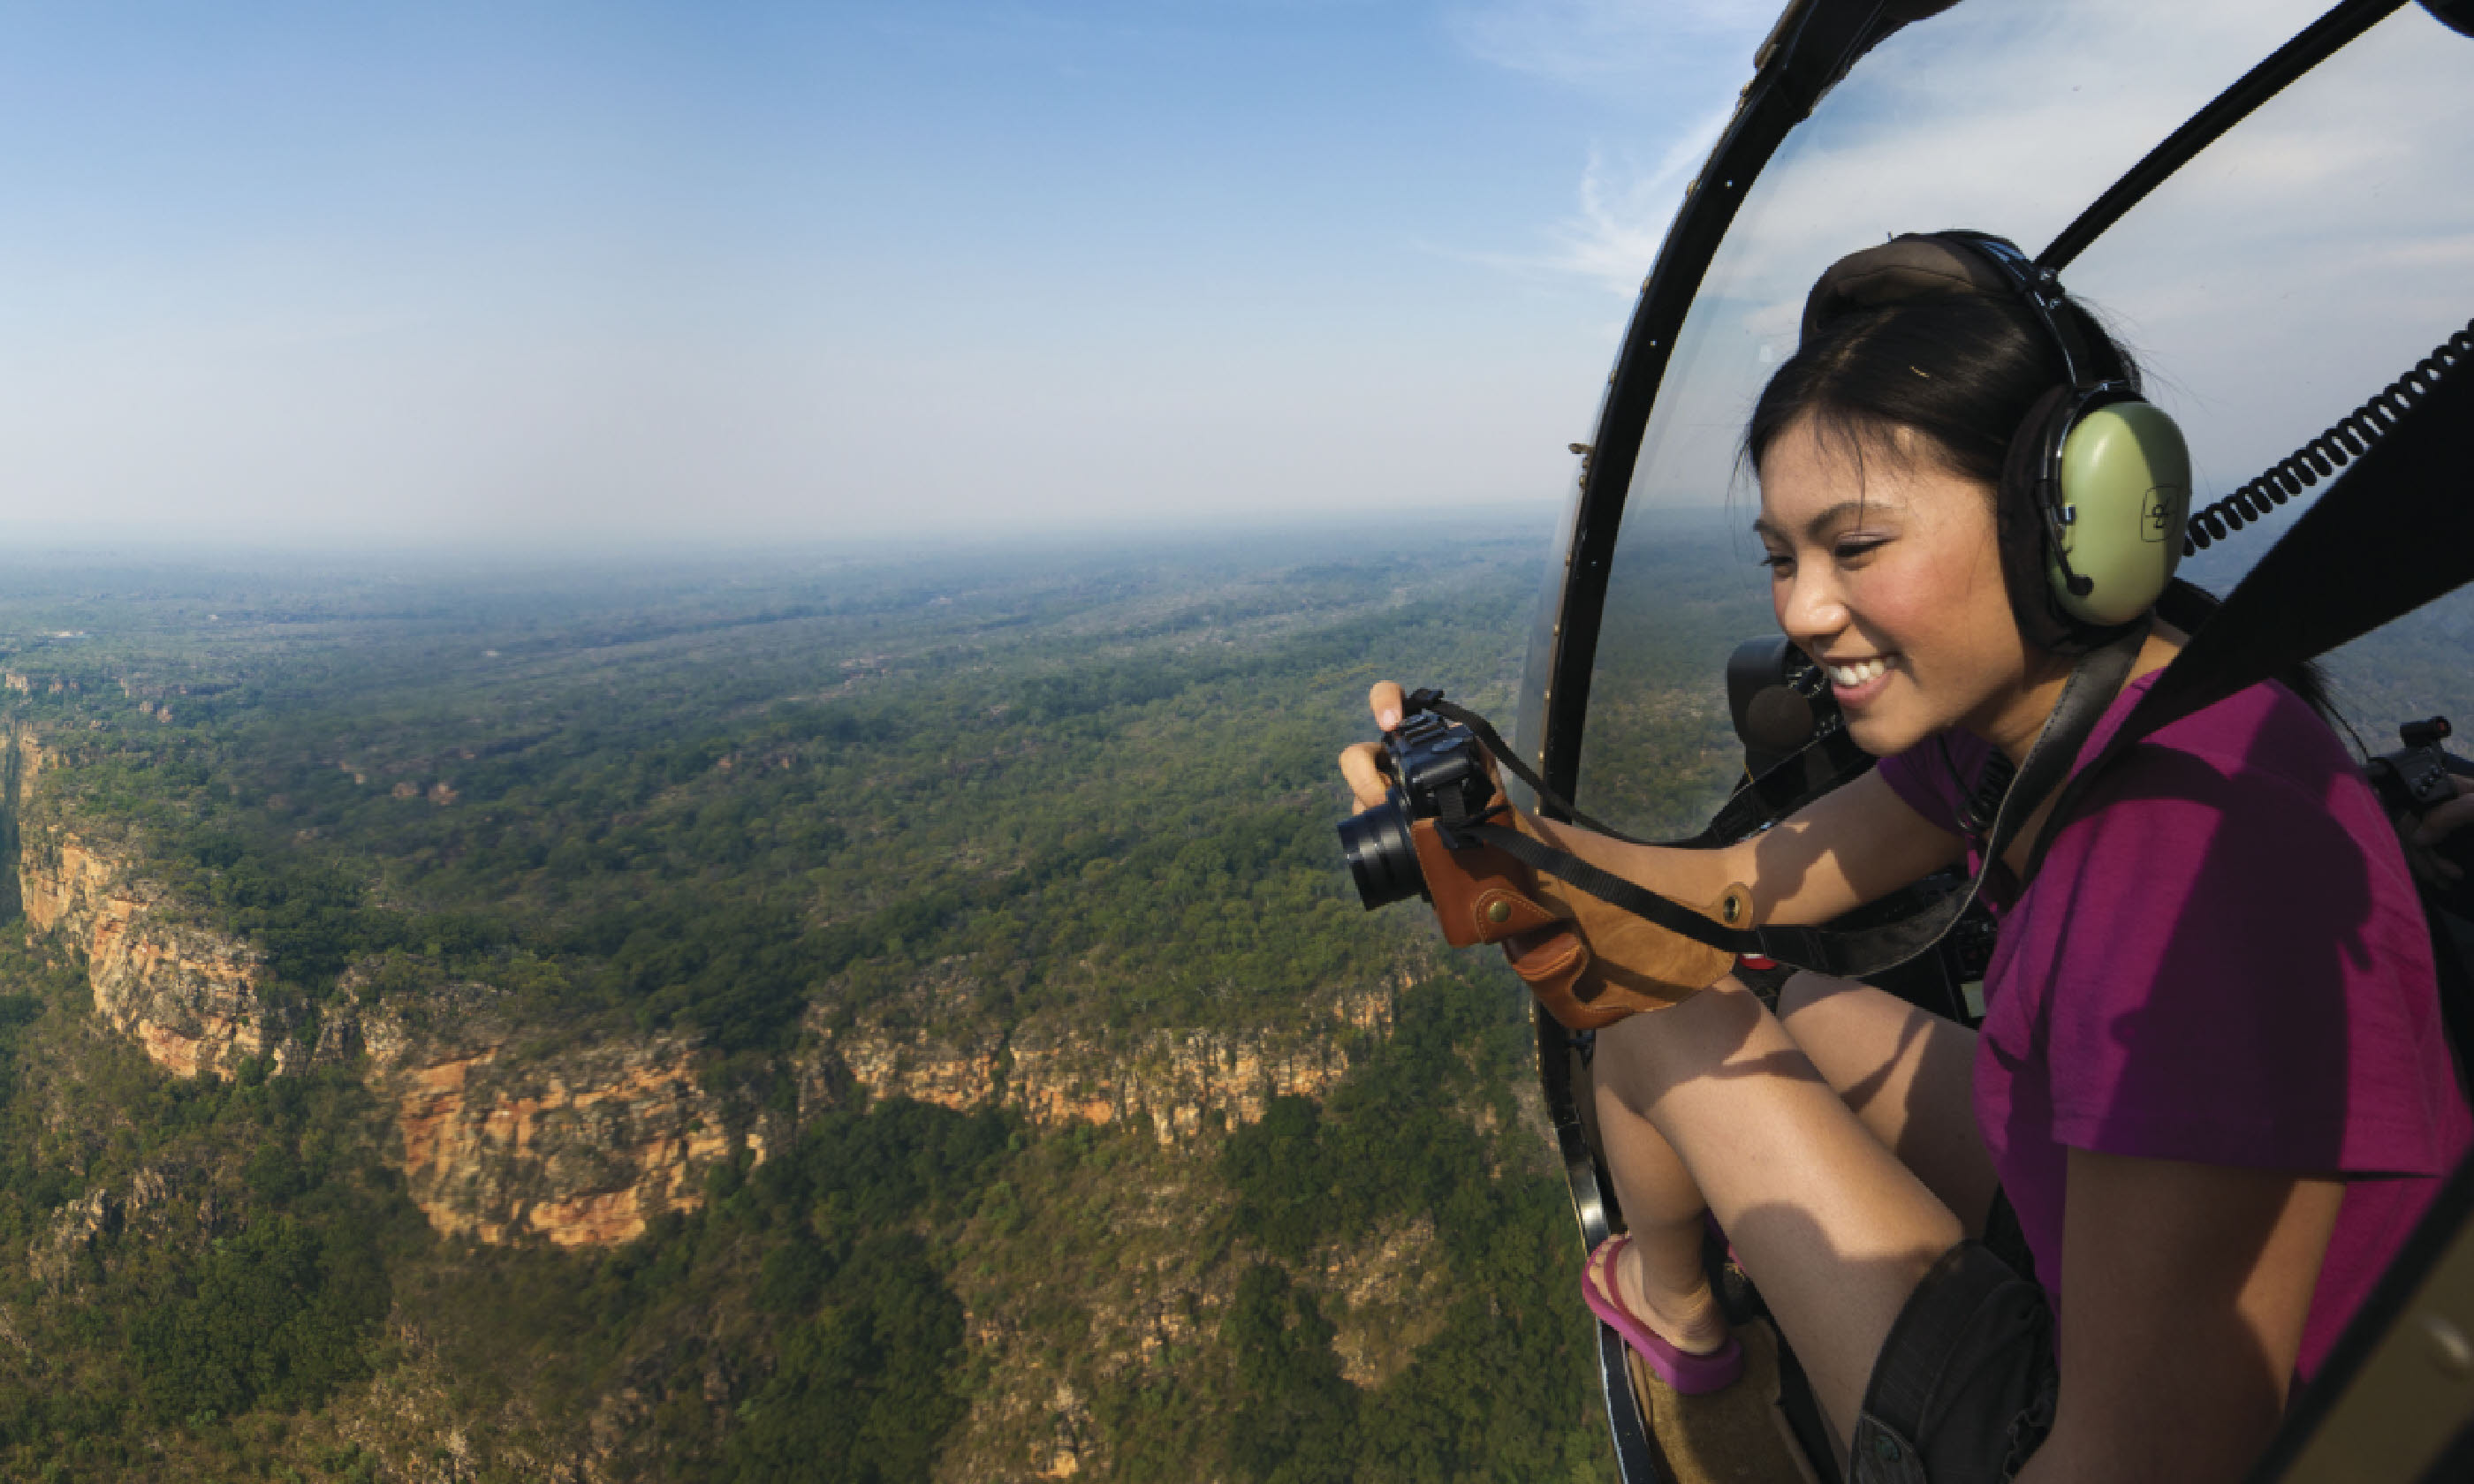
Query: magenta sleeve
x=2231, y=974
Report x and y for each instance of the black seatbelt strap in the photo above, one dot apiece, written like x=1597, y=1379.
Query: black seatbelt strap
x=1785, y=788
x=2394, y=531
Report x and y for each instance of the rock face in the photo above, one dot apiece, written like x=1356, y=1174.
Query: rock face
x=584, y=1145
x=1174, y=1082
x=586, y=1142
x=579, y=1145
x=189, y=997
x=150, y=1201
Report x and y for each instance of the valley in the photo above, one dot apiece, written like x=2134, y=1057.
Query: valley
x=881, y=1023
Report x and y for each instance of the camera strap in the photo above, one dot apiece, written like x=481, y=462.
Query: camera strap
x=2091, y=688
x=1763, y=800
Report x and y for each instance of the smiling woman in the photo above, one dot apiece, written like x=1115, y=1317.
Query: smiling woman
x=2207, y=1100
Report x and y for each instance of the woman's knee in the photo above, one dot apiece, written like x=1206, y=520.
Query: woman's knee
x=1640, y=1057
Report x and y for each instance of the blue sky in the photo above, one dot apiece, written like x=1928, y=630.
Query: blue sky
x=537, y=273
x=540, y=275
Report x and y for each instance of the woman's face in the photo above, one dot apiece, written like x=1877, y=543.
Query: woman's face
x=1885, y=571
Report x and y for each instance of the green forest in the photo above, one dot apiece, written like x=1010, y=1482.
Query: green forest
x=750, y=810
x=746, y=808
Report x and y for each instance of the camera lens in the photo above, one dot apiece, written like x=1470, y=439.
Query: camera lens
x=1381, y=856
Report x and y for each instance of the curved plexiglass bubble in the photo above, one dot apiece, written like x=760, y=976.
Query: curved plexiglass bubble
x=2291, y=270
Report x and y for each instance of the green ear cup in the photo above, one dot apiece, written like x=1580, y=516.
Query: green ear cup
x=2126, y=494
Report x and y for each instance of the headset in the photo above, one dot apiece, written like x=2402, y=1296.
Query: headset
x=2105, y=471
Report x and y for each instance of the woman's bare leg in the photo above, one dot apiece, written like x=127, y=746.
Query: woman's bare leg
x=1658, y=1274
x=1906, y=1074
x=1834, y=1229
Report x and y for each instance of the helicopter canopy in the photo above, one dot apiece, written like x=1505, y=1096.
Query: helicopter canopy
x=2274, y=281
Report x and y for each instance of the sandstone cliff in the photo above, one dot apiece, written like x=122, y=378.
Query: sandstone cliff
x=1169, y=1083
x=503, y=1135
x=578, y=1142
x=189, y=997
x=583, y=1144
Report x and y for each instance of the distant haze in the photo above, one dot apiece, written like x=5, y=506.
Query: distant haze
x=590, y=276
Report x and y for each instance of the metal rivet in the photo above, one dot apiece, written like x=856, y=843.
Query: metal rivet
x=1498, y=912
x=2450, y=1350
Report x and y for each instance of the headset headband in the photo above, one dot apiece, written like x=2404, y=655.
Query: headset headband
x=1930, y=265
x=1935, y=265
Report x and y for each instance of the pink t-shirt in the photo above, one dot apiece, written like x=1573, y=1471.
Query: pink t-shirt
x=2222, y=961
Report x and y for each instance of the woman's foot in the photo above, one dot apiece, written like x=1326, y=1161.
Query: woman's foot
x=1683, y=1336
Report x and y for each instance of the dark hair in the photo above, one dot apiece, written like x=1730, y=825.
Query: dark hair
x=1961, y=373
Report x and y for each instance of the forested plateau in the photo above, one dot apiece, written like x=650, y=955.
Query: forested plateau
x=799, y=1018
x=871, y=1021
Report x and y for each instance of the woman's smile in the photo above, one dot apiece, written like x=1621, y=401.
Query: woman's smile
x=1854, y=682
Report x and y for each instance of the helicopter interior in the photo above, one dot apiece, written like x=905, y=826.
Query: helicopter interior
x=2267, y=200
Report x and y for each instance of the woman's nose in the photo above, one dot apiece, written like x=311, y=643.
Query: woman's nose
x=1810, y=609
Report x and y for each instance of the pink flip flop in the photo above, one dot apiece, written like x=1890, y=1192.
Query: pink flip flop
x=1690, y=1375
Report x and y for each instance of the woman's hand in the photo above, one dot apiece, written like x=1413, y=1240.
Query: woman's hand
x=1359, y=760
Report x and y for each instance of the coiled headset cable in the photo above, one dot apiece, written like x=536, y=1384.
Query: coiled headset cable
x=2348, y=439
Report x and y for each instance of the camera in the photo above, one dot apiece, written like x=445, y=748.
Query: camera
x=1439, y=772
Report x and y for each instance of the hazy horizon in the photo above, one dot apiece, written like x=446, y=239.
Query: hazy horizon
x=604, y=279
x=651, y=272
x=1342, y=535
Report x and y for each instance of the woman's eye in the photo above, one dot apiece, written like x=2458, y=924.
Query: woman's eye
x=1777, y=562
x=1856, y=547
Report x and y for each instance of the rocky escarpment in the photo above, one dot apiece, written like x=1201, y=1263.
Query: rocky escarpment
x=580, y=1143
x=190, y=998
x=152, y=1204
x=584, y=1144
x=503, y=1136
x=1172, y=1084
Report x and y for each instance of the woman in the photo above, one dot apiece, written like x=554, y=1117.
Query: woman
x=2211, y=1083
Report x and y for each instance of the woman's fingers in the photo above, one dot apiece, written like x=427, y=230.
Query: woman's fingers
x=1358, y=760
x=1365, y=780
x=1386, y=701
